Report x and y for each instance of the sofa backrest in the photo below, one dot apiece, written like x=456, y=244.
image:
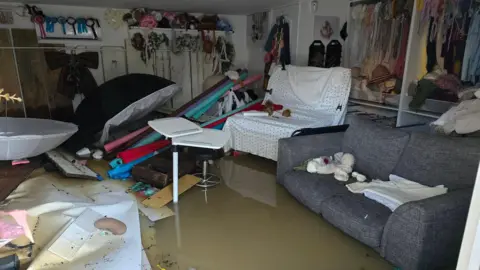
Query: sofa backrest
x=435, y=160
x=376, y=148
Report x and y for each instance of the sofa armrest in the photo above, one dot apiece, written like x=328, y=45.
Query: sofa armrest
x=293, y=151
x=427, y=234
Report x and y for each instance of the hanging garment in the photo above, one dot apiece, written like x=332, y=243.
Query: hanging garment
x=343, y=32
x=75, y=76
x=278, y=44
x=431, y=46
x=471, y=60
x=400, y=63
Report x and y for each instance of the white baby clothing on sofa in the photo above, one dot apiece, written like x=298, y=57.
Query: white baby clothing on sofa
x=395, y=192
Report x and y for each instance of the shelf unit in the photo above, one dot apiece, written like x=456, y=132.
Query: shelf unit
x=168, y=31
x=432, y=109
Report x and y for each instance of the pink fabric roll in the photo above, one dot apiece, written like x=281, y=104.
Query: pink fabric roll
x=109, y=147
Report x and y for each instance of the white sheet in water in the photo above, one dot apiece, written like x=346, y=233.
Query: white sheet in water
x=57, y=206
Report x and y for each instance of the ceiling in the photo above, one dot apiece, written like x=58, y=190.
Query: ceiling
x=202, y=6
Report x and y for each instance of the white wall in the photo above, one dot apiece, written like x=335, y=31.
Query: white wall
x=301, y=19
x=338, y=8
x=255, y=49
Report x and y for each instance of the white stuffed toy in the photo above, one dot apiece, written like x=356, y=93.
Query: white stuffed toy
x=340, y=165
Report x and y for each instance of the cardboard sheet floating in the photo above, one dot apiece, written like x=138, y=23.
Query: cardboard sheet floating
x=165, y=195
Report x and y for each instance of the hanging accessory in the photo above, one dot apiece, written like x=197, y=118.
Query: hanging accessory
x=154, y=42
x=138, y=43
x=72, y=21
x=186, y=42
x=258, y=25
x=224, y=25
x=91, y=24
x=326, y=31
x=343, y=32
x=223, y=56
x=39, y=19
x=75, y=76
x=148, y=21
x=34, y=11
x=128, y=18
x=50, y=24
x=114, y=17
x=62, y=21
x=157, y=15
x=6, y=17
x=82, y=26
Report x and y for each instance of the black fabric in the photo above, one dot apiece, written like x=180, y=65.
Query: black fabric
x=334, y=54
x=448, y=53
x=107, y=101
x=316, y=54
x=285, y=53
x=343, y=32
x=320, y=130
x=203, y=154
x=431, y=48
x=75, y=76
x=428, y=89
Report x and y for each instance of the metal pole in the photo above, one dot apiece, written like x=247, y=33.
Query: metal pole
x=191, y=75
x=175, y=173
x=18, y=73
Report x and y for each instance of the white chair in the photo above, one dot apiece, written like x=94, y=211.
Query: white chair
x=317, y=97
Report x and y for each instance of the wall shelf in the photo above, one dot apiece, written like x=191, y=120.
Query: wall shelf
x=176, y=30
x=373, y=104
x=424, y=113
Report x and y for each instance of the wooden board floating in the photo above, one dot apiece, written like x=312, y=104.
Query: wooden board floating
x=165, y=195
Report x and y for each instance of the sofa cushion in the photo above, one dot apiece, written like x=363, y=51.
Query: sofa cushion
x=435, y=160
x=312, y=189
x=376, y=148
x=357, y=216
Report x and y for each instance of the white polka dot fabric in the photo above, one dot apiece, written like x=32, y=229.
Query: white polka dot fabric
x=259, y=135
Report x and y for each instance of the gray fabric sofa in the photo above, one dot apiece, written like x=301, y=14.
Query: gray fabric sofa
x=423, y=234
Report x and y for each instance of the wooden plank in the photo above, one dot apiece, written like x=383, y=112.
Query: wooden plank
x=39, y=83
x=8, y=77
x=165, y=195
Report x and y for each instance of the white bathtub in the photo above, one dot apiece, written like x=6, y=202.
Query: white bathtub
x=29, y=137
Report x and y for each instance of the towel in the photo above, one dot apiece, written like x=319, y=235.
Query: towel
x=395, y=192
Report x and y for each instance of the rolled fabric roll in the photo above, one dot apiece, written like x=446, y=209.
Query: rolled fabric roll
x=255, y=113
